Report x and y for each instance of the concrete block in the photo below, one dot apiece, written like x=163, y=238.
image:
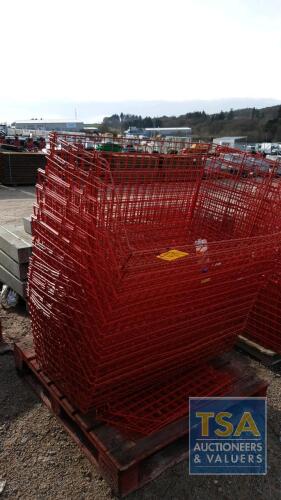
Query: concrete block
x=12, y=266
x=27, y=224
x=15, y=243
x=9, y=279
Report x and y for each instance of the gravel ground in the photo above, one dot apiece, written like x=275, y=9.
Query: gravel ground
x=39, y=461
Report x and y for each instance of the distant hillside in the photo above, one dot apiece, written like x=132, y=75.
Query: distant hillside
x=259, y=125
x=94, y=111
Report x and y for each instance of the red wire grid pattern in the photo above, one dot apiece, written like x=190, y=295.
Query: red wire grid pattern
x=145, y=266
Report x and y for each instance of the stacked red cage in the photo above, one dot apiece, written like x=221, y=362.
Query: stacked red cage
x=264, y=320
x=264, y=323
x=146, y=263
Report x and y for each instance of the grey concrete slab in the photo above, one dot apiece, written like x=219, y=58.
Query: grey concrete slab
x=15, y=243
x=9, y=279
x=27, y=225
x=18, y=270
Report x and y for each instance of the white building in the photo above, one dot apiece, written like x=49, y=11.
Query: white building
x=168, y=132
x=231, y=141
x=49, y=125
x=159, y=131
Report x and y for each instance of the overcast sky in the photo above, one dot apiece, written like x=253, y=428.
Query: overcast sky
x=114, y=50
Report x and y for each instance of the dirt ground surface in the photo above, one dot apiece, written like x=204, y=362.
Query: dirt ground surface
x=39, y=461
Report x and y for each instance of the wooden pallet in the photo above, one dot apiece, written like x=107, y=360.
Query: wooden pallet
x=126, y=462
x=268, y=358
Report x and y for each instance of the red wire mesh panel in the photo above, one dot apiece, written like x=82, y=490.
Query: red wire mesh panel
x=145, y=265
x=148, y=410
x=108, y=144
x=264, y=323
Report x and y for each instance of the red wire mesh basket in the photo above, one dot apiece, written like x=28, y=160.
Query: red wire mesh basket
x=146, y=263
x=264, y=322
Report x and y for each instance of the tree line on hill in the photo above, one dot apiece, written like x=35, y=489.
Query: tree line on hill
x=259, y=125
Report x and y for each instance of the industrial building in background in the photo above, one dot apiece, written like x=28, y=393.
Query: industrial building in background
x=231, y=141
x=159, y=131
x=49, y=125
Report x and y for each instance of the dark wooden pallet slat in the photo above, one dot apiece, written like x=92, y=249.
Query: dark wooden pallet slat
x=259, y=353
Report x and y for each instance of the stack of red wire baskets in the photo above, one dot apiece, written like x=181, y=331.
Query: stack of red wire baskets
x=146, y=264
x=264, y=323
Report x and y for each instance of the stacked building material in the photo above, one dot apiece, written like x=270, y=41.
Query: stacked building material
x=20, y=168
x=145, y=266
x=27, y=225
x=15, y=250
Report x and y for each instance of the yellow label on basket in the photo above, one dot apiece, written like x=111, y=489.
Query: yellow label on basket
x=172, y=255
x=206, y=280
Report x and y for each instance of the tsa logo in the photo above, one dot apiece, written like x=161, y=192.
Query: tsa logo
x=227, y=436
